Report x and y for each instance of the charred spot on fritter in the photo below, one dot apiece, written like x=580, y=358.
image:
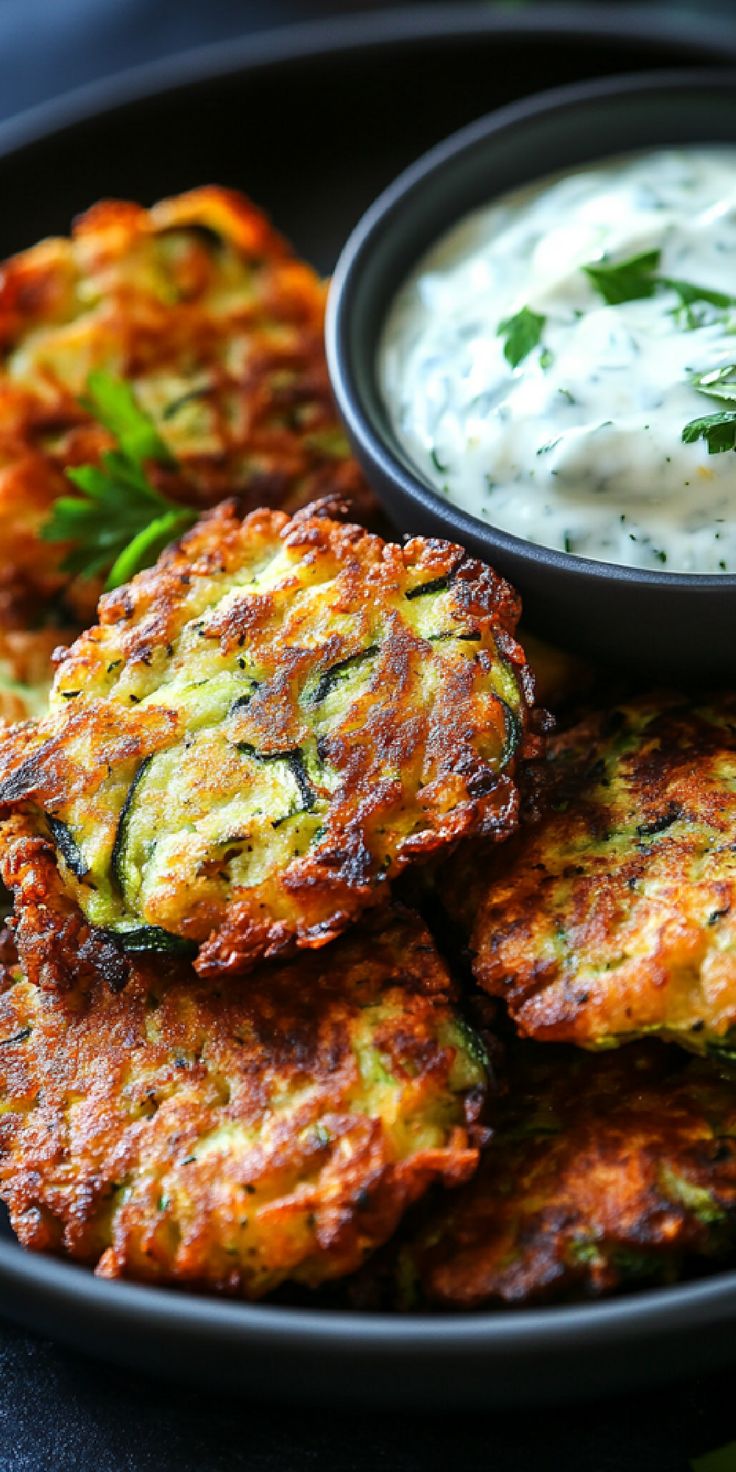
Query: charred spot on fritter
x=602, y=1174
x=205, y=311
x=616, y=914
x=263, y=731
x=273, y=1128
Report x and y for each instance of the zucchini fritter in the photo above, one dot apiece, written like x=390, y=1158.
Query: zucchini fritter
x=262, y=732
x=26, y=671
x=273, y=1129
x=602, y=1173
x=616, y=915
x=202, y=307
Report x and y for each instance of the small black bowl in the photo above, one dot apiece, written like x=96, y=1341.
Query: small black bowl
x=671, y=624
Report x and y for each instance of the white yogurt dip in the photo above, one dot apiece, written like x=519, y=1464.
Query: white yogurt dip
x=562, y=364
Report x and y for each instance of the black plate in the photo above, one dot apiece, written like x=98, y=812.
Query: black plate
x=313, y=122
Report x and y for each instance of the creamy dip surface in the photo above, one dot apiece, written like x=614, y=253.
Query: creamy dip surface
x=544, y=361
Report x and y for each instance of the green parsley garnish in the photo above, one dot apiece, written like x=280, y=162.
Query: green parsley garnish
x=638, y=277
x=688, y=292
x=691, y=296
x=718, y=430
x=626, y=281
x=720, y=383
x=523, y=333
x=112, y=402
x=120, y=523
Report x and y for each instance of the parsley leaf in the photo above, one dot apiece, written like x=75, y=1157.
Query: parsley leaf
x=120, y=523
x=626, y=281
x=692, y=309
x=720, y=383
x=523, y=333
x=637, y=277
x=149, y=544
x=688, y=293
x=718, y=431
x=112, y=402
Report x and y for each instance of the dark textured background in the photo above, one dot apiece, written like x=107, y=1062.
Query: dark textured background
x=62, y=1413
x=58, y=1413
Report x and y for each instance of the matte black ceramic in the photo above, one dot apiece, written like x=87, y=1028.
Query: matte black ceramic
x=314, y=123
x=662, y=623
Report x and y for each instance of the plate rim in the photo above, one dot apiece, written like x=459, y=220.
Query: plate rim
x=328, y=36
x=62, y=1284
x=699, y=1304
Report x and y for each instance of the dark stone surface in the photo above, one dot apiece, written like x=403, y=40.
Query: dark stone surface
x=62, y=1413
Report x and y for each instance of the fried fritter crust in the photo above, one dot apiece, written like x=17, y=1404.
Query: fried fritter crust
x=616, y=915
x=234, y=1138
x=26, y=672
x=262, y=731
x=603, y=1173
x=204, y=309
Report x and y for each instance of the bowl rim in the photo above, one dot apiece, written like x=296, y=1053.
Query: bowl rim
x=383, y=216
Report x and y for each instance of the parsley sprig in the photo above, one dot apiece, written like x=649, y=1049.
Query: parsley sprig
x=694, y=299
x=718, y=430
x=121, y=522
x=626, y=281
x=720, y=383
x=523, y=333
x=630, y=280
x=639, y=277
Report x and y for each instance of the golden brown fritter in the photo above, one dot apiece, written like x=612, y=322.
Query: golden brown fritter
x=616, y=915
x=26, y=671
x=202, y=307
x=8, y=953
x=272, y=1129
x=262, y=732
x=602, y=1173
x=460, y=881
